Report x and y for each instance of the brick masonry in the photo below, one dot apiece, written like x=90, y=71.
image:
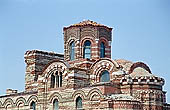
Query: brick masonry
x=132, y=86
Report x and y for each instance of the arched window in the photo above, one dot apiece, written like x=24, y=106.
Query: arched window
x=56, y=80
x=79, y=105
x=72, y=51
x=87, y=49
x=105, y=77
x=60, y=79
x=52, y=81
x=55, y=104
x=33, y=106
x=102, y=50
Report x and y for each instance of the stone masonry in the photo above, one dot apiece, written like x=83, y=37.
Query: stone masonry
x=57, y=82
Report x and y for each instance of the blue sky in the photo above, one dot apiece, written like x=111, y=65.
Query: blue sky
x=141, y=32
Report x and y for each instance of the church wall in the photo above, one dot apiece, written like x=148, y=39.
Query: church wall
x=36, y=61
x=17, y=101
x=100, y=83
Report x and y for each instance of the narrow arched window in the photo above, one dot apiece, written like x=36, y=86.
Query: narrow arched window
x=87, y=49
x=52, y=81
x=105, y=77
x=72, y=51
x=79, y=104
x=102, y=50
x=60, y=79
x=33, y=106
x=57, y=79
x=55, y=104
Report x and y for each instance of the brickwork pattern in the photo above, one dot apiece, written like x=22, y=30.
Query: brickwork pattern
x=132, y=86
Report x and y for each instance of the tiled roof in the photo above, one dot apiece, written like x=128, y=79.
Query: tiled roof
x=87, y=23
x=119, y=97
x=19, y=94
x=27, y=53
x=125, y=64
x=123, y=61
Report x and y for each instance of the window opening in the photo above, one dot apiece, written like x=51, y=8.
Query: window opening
x=87, y=49
x=105, y=77
x=102, y=50
x=79, y=103
x=55, y=104
x=72, y=51
x=33, y=106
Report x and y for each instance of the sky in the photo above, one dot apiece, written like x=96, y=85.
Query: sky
x=141, y=32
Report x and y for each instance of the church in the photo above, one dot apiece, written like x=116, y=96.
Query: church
x=85, y=77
